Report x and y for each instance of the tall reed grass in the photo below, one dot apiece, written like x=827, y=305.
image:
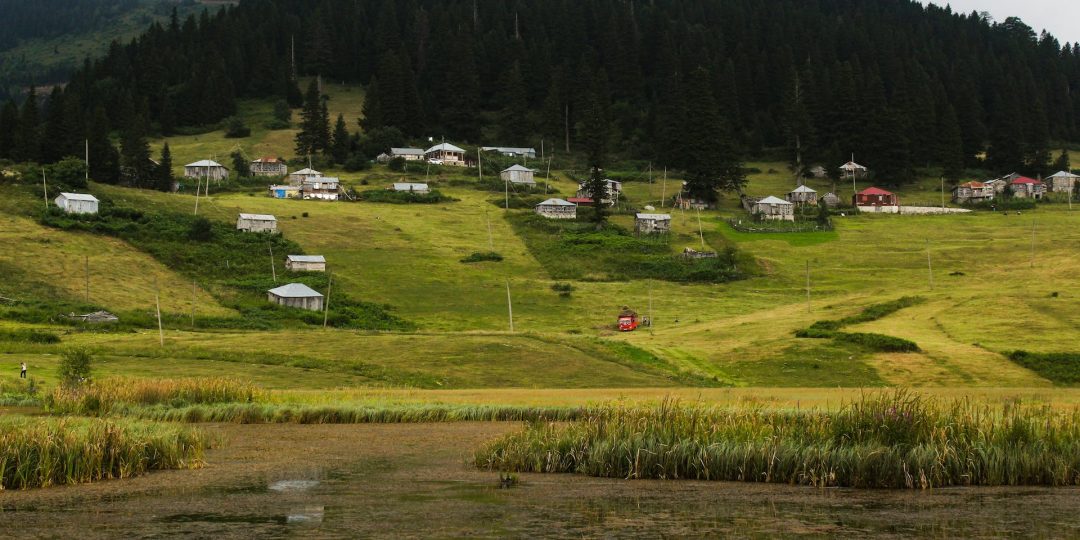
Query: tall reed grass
x=269, y=413
x=888, y=440
x=101, y=397
x=40, y=452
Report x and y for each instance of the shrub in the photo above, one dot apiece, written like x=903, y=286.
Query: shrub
x=482, y=256
x=397, y=164
x=1060, y=368
x=403, y=197
x=29, y=336
x=236, y=129
x=357, y=162
x=202, y=230
x=564, y=289
x=877, y=342
x=75, y=366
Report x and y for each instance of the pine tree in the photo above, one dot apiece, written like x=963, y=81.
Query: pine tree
x=513, y=116
x=104, y=159
x=308, y=140
x=323, y=140
x=241, y=165
x=27, y=137
x=164, y=170
x=950, y=145
x=339, y=148
x=373, y=117
x=9, y=124
x=55, y=143
x=135, y=165
x=1062, y=162
x=713, y=161
x=596, y=188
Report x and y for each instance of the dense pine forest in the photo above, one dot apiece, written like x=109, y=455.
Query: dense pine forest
x=696, y=85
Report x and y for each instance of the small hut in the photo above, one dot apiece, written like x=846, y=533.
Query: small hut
x=818, y=171
x=510, y=151
x=802, y=195
x=77, y=203
x=557, y=209
x=518, y=175
x=853, y=170
x=284, y=192
x=305, y=263
x=873, y=196
x=206, y=168
x=256, y=223
x=269, y=166
x=408, y=154
x=612, y=190
x=773, y=209
x=652, y=223
x=297, y=178
x=296, y=295
x=831, y=200
x=97, y=317
x=686, y=201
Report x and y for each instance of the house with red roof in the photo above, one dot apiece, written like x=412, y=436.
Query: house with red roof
x=876, y=197
x=972, y=192
x=1027, y=188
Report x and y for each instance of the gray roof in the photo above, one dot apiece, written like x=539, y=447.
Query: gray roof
x=205, y=163
x=78, y=196
x=654, y=217
x=556, y=202
x=407, y=151
x=1063, y=174
x=803, y=189
x=851, y=165
x=295, y=290
x=307, y=258
x=306, y=172
x=258, y=217
x=409, y=186
x=518, y=168
x=447, y=147
x=773, y=200
x=509, y=150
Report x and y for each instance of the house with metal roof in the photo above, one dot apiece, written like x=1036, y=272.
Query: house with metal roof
x=256, y=223
x=875, y=197
x=305, y=263
x=773, y=209
x=77, y=203
x=269, y=166
x=557, y=209
x=411, y=187
x=852, y=169
x=510, y=151
x=1027, y=188
x=303, y=175
x=972, y=192
x=408, y=154
x=445, y=154
x=518, y=175
x=296, y=295
x=802, y=195
x=206, y=168
x=323, y=188
x=1062, y=181
x=284, y=192
x=652, y=223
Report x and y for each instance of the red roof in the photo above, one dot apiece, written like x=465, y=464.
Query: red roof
x=874, y=191
x=579, y=200
x=1026, y=180
x=972, y=185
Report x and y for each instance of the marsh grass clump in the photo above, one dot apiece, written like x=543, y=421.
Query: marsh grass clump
x=887, y=440
x=103, y=397
x=41, y=452
x=482, y=256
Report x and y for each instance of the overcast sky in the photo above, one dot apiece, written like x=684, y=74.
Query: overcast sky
x=1060, y=17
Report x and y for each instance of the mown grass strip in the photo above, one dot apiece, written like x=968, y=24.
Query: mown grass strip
x=889, y=440
x=41, y=452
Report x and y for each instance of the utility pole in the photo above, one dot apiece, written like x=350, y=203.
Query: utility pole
x=929, y=266
x=567, y=127
x=700, y=232
x=479, y=164
x=86, y=267
x=193, y=300
x=86, y=168
x=491, y=239
x=663, y=196
x=1033, y=243
x=273, y=269
x=509, y=306
x=808, y=285
x=45, y=188
x=326, y=305
x=547, y=183
x=157, y=307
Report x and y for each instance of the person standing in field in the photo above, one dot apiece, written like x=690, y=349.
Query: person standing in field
x=22, y=370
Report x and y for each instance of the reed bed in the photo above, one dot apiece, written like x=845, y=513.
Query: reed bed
x=269, y=413
x=888, y=440
x=41, y=452
x=99, y=398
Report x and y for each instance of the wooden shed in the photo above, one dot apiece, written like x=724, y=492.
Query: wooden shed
x=305, y=263
x=269, y=166
x=256, y=223
x=557, y=209
x=802, y=195
x=284, y=192
x=652, y=223
x=873, y=196
x=77, y=203
x=852, y=169
x=408, y=154
x=304, y=175
x=972, y=192
x=206, y=168
x=510, y=151
x=296, y=295
x=773, y=209
x=518, y=175
x=411, y=187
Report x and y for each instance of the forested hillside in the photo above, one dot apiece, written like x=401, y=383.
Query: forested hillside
x=898, y=84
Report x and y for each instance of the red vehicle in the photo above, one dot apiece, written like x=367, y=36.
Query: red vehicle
x=628, y=320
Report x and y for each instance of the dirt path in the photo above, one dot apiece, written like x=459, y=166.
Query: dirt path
x=410, y=480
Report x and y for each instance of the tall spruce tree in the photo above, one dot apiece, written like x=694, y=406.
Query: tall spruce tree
x=104, y=158
x=27, y=135
x=9, y=124
x=341, y=143
x=136, y=169
x=311, y=139
x=164, y=170
x=514, y=126
x=950, y=144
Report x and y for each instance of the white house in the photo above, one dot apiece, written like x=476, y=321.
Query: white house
x=411, y=187
x=206, y=169
x=652, y=223
x=324, y=188
x=802, y=195
x=77, y=203
x=510, y=151
x=408, y=154
x=1062, y=181
x=256, y=223
x=557, y=209
x=773, y=208
x=296, y=295
x=305, y=263
x=516, y=174
x=445, y=154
